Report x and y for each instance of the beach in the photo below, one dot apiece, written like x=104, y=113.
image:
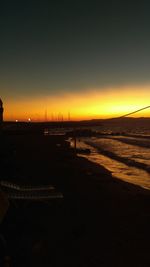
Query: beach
x=101, y=221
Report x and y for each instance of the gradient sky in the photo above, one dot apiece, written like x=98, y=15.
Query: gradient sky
x=89, y=58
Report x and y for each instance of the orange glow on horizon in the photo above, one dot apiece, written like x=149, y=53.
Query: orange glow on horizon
x=92, y=104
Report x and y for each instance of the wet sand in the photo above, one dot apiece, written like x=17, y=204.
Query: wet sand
x=100, y=222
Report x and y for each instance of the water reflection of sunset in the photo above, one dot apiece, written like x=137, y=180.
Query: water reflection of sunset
x=103, y=103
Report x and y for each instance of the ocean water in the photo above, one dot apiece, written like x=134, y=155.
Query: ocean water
x=126, y=156
x=122, y=148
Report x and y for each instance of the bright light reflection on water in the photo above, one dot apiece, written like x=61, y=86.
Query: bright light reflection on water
x=119, y=170
x=135, y=152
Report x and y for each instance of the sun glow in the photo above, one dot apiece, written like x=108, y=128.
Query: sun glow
x=94, y=103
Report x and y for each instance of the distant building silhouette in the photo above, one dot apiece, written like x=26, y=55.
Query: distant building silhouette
x=1, y=113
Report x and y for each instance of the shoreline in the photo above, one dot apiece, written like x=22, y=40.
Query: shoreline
x=100, y=222
x=118, y=166
x=98, y=169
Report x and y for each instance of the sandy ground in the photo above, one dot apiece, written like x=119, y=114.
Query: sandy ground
x=100, y=222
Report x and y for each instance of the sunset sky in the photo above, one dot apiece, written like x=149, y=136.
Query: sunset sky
x=86, y=59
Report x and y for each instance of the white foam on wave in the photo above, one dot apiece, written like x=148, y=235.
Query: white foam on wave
x=119, y=169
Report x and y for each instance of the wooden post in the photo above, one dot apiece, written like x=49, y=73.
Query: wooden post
x=75, y=144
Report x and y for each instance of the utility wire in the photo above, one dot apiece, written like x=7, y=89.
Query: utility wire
x=134, y=112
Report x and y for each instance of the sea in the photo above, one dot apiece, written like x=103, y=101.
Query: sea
x=124, y=151
x=122, y=148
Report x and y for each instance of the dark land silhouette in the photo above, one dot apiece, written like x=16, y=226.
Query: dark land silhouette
x=38, y=127
x=1, y=114
x=101, y=221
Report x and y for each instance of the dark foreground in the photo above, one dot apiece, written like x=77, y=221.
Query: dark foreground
x=100, y=222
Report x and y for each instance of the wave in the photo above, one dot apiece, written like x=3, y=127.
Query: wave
x=127, y=161
x=137, y=141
